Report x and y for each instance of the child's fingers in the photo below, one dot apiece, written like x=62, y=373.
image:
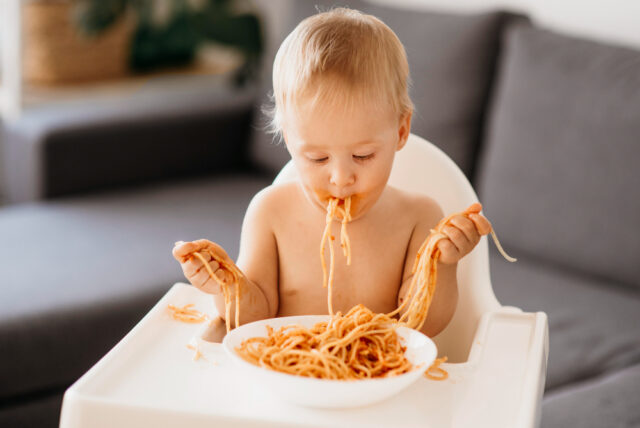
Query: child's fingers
x=194, y=265
x=448, y=252
x=482, y=224
x=200, y=277
x=457, y=238
x=215, y=249
x=182, y=250
x=203, y=281
x=474, y=208
x=467, y=227
x=190, y=267
x=224, y=275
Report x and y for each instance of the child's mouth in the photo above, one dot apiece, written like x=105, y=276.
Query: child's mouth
x=342, y=205
x=323, y=199
x=341, y=201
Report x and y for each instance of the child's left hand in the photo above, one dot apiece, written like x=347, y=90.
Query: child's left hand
x=463, y=232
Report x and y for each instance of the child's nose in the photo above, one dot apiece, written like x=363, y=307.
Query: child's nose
x=342, y=176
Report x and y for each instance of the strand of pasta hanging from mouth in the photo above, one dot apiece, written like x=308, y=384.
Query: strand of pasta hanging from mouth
x=345, y=243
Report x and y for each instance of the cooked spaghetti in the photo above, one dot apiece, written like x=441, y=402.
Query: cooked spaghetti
x=360, y=344
x=235, y=274
x=425, y=273
x=345, y=243
x=187, y=314
x=197, y=354
x=435, y=372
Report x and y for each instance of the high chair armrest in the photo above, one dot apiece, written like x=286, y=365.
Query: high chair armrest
x=508, y=361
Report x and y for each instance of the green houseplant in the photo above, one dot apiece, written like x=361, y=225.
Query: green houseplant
x=168, y=32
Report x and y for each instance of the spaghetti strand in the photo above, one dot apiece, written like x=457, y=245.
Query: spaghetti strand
x=236, y=274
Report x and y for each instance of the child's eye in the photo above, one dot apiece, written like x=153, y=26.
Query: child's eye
x=363, y=157
x=318, y=160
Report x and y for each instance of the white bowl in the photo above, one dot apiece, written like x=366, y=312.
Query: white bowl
x=311, y=392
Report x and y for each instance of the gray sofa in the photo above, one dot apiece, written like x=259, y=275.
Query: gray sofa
x=546, y=126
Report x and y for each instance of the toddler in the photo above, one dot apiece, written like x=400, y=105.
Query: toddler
x=340, y=83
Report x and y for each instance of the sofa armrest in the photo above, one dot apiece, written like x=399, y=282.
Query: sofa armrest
x=90, y=145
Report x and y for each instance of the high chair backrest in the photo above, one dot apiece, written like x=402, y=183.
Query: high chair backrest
x=421, y=167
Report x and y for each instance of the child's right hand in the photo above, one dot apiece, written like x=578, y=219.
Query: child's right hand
x=195, y=271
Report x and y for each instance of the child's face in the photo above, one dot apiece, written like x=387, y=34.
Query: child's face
x=344, y=153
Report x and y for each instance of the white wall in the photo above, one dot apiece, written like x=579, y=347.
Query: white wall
x=614, y=21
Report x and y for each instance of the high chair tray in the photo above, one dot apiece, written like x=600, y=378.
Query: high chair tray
x=151, y=379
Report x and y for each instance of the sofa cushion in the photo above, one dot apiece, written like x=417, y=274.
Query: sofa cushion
x=560, y=175
x=79, y=273
x=594, y=325
x=609, y=401
x=451, y=58
x=93, y=144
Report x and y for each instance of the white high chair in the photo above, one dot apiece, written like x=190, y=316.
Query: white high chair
x=497, y=355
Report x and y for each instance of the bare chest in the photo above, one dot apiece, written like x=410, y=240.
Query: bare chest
x=373, y=278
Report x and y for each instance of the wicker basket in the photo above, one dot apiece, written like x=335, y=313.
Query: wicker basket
x=56, y=53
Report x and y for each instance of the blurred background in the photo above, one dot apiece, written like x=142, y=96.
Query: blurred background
x=127, y=125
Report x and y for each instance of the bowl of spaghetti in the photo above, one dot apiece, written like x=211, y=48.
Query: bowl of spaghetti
x=331, y=362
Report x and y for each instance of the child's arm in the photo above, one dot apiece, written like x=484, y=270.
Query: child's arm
x=258, y=256
x=463, y=235
x=257, y=261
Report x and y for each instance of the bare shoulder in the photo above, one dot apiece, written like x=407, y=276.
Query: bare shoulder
x=424, y=213
x=260, y=221
x=272, y=200
x=422, y=209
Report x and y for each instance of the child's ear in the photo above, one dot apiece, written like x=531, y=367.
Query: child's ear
x=404, y=129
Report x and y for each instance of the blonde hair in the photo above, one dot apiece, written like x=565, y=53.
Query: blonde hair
x=340, y=54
